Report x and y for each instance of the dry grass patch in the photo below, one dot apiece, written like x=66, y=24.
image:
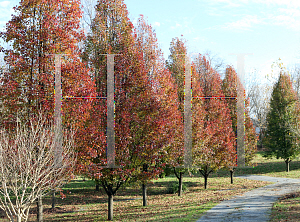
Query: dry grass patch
x=287, y=208
x=85, y=204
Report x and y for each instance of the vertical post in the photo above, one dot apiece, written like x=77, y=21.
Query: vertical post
x=240, y=114
x=57, y=112
x=110, y=112
x=241, y=110
x=187, y=114
x=241, y=95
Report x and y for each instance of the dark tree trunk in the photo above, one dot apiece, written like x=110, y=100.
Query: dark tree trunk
x=39, y=212
x=144, y=187
x=205, y=181
x=110, y=207
x=287, y=163
x=53, y=200
x=180, y=178
x=205, y=173
x=231, y=175
x=180, y=184
x=97, y=184
x=110, y=193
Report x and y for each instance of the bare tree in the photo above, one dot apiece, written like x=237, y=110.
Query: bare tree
x=295, y=78
x=217, y=63
x=27, y=170
x=89, y=12
x=259, y=94
x=293, y=123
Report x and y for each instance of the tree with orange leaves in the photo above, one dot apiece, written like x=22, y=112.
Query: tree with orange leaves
x=229, y=87
x=165, y=91
x=176, y=65
x=219, y=151
x=144, y=116
x=38, y=30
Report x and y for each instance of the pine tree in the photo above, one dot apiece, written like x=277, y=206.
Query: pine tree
x=284, y=109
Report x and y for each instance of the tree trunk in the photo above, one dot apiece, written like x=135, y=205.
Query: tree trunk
x=53, y=199
x=144, y=187
x=205, y=174
x=19, y=218
x=39, y=212
x=205, y=181
x=287, y=162
x=10, y=216
x=97, y=184
x=110, y=207
x=231, y=176
x=180, y=185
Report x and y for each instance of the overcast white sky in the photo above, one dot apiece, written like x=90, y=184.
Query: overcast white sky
x=267, y=28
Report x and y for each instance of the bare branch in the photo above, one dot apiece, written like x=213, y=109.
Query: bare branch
x=27, y=169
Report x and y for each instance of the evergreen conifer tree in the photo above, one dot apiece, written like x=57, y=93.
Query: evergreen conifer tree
x=280, y=140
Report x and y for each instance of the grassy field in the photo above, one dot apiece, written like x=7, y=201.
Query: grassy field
x=287, y=208
x=267, y=167
x=83, y=203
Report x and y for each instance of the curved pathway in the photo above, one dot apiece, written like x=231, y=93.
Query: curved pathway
x=254, y=205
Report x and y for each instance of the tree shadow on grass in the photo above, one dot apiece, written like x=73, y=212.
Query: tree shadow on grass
x=261, y=168
x=164, y=185
x=134, y=212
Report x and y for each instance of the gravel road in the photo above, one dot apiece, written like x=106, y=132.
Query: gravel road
x=254, y=205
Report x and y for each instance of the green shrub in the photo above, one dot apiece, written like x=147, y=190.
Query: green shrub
x=167, y=171
x=174, y=186
x=162, y=175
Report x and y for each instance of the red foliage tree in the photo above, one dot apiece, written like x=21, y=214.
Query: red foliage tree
x=229, y=88
x=176, y=65
x=165, y=91
x=143, y=119
x=110, y=33
x=219, y=151
x=38, y=30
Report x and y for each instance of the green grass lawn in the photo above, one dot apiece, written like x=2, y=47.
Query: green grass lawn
x=83, y=203
x=287, y=208
x=267, y=167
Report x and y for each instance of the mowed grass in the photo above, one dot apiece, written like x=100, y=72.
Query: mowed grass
x=267, y=167
x=287, y=208
x=276, y=167
x=83, y=203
